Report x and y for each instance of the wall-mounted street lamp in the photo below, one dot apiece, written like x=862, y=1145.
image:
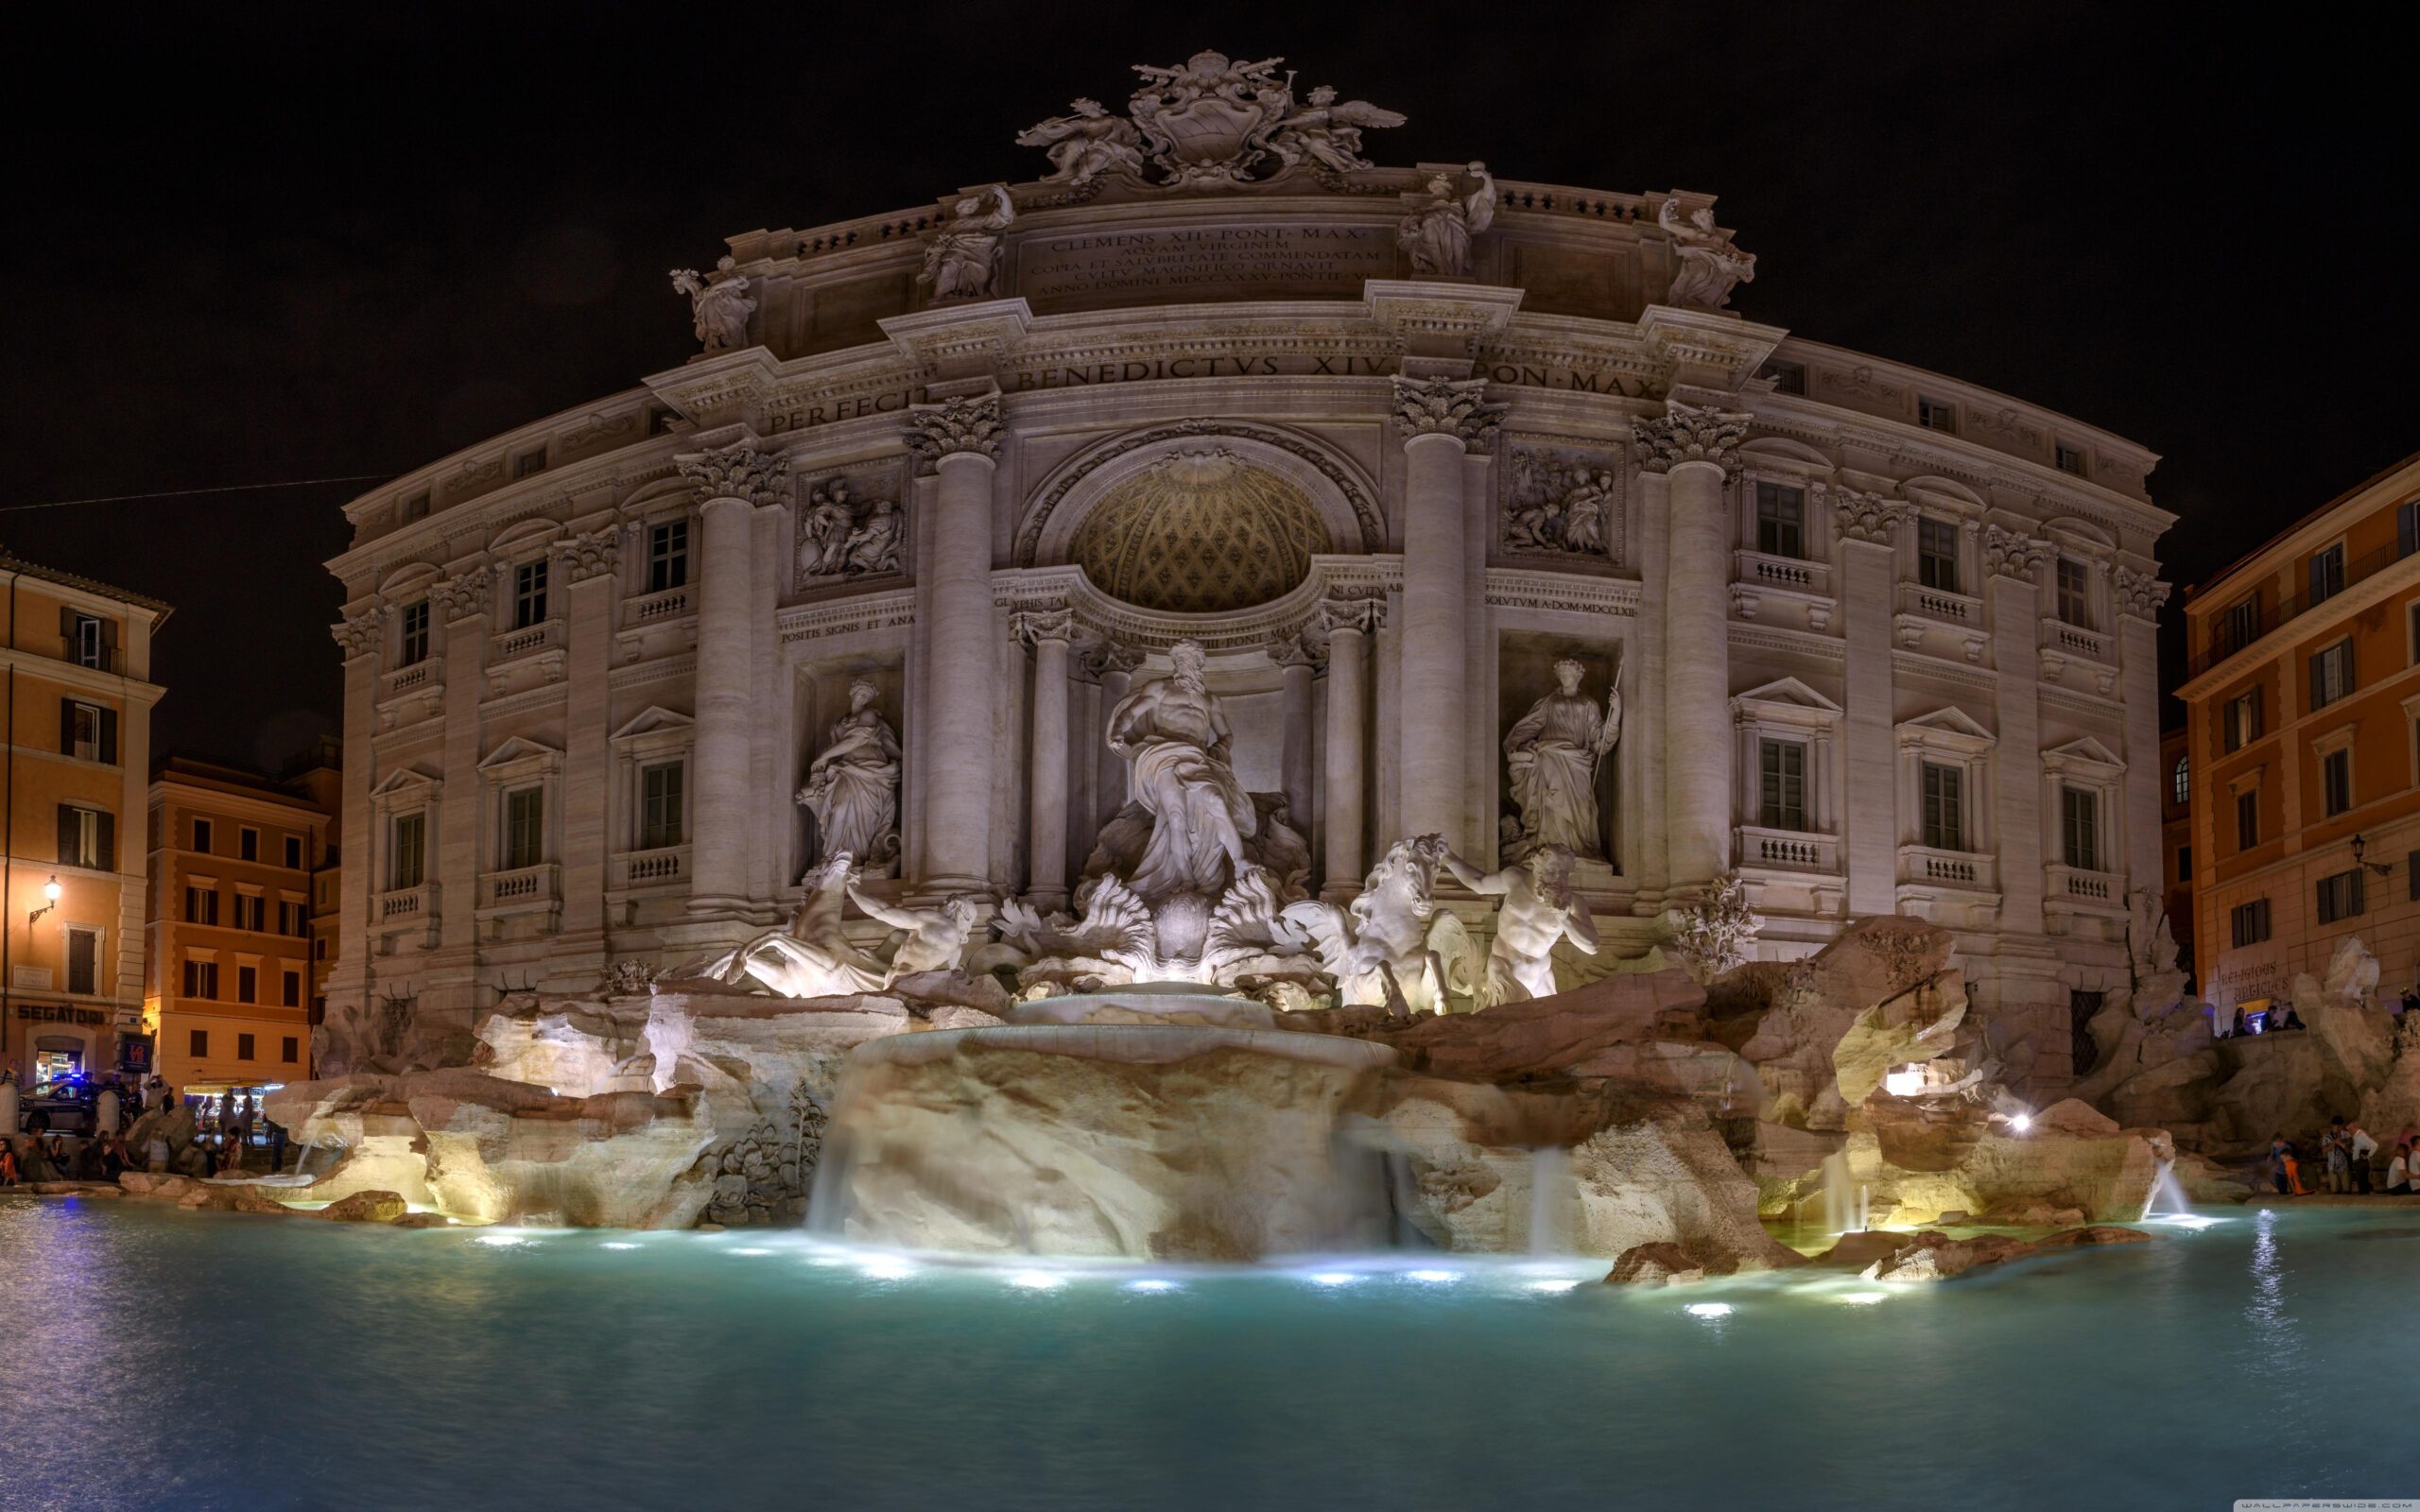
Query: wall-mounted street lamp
x=51, y=890
x=2361, y=847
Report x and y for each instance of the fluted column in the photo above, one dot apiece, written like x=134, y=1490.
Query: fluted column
x=1296, y=662
x=2139, y=597
x=1869, y=527
x=959, y=443
x=1114, y=666
x=731, y=483
x=1441, y=420
x=1343, y=798
x=1047, y=631
x=1697, y=450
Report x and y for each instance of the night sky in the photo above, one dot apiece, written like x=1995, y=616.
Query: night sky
x=258, y=243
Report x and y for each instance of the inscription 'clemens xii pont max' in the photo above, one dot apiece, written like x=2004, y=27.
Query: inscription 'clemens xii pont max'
x=1223, y=259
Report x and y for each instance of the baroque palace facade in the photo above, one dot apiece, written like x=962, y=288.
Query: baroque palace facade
x=1465, y=506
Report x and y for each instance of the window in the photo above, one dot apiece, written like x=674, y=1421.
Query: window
x=201, y=836
x=2247, y=820
x=2185, y=863
x=243, y=1047
x=1937, y=415
x=87, y=731
x=201, y=904
x=2336, y=782
x=248, y=843
x=248, y=911
x=2328, y=572
x=2070, y=458
x=248, y=984
x=667, y=556
x=197, y=1043
x=293, y=853
x=2340, y=896
x=2075, y=592
x=1945, y=807
x=2331, y=674
x=2242, y=720
x=88, y=640
x=2180, y=781
x=416, y=507
x=406, y=846
x=411, y=643
x=2249, y=922
x=529, y=463
x=659, y=420
x=83, y=961
x=201, y=980
x=1781, y=520
x=291, y=1051
x=660, y=806
x=2079, y=825
x=1937, y=555
x=292, y=919
x=2407, y=527
x=1782, y=785
x=524, y=826
x=1787, y=377
x=319, y=948
x=2243, y=623
x=529, y=593
x=290, y=989
x=87, y=837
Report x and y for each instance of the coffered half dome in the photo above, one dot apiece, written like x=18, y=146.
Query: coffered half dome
x=1200, y=532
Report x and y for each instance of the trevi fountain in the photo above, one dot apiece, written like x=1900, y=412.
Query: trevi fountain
x=1339, y=862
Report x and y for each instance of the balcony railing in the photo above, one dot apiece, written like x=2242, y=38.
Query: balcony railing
x=522, y=641
x=1960, y=609
x=1931, y=867
x=2369, y=564
x=667, y=604
x=2089, y=889
x=2074, y=640
x=1786, y=849
x=408, y=903
x=1787, y=573
x=426, y=672
x=636, y=869
x=537, y=887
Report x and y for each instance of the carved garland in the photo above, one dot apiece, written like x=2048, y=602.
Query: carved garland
x=1365, y=510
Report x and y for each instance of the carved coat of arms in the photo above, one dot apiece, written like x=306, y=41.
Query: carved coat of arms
x=1209, y=123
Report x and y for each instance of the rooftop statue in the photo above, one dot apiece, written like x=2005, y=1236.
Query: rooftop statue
x=1210, y=122
x=964, y=258
x=1710, y=266
x=720, y=304
x=1440, y=221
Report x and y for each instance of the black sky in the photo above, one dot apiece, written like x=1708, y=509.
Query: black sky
x=264, y=242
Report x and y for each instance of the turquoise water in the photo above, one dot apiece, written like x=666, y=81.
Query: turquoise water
x=161, y=1359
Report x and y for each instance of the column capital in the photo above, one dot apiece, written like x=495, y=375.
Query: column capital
x=956, y=427
x=590, y=554
x=1688, y=433
x=2139, y=594
x=357, y=634
x=463, y=594
x=1103, y=658
x=1038, y=623
x=1358, y=616
x=2013, y=554
x=1868, y=518
x=1296, y=650
x=1447, y=406
x=736, y=471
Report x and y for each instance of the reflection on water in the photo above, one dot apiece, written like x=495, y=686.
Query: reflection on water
x=208, y=1360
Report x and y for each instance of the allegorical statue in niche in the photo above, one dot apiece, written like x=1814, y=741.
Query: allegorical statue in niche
x=1710, y=266
x=1437, y=223
x=718, y=304
x=1086, y=145
x=1551, y=756
x=852, y=786
x=965, y=257
x=1327, y=133
x=1176, y=742
x=1538, y=910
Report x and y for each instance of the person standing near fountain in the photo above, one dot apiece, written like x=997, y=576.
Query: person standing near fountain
x=1175, y=739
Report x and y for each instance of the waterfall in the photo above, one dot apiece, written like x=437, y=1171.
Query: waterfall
x=1839, y=1213
x=2167, y=1186
x=1550, y=1198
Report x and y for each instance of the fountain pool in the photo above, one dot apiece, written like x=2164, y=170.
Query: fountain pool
x=211, y=1361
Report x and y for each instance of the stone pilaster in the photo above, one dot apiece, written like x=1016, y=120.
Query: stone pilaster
x=1047, y=630
x=1441, y=420
x=2011, y=564
x=1113, y=665
x=731, y=483
x=1344, y=804
x=1869, y=526
x=358, y=638
x=587, y=569
x=463, y=602
x=1697, y=450
x=1297, y=662
x=2138, y=597
x=957, y=444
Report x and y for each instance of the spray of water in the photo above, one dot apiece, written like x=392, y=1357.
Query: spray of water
x=2167, y=1191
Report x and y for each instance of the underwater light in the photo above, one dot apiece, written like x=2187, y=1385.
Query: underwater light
x=1036, y=1280
x=1708, y=1310
x=752, y=1251
x=1863, y=1298
x=1431, y=1276
x=617, y=1243
x=1334, y=1278
x=500, y=1241
x=1151, y=1284
x=887, y=1269
x=1563, y=1285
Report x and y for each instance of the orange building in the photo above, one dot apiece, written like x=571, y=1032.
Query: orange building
x=2303, y=703
x=77, y=724
x=234, y=857
x=2176, y=841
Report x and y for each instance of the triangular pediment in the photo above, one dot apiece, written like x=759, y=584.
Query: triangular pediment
x=1948, y=727
x=1791, y=692
x=519, y=748
x=2085, y=752
x=405, y=780
x=651, y=720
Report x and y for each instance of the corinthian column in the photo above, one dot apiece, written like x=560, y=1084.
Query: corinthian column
x=1297, y=661
x=1869, y=526
x=1047, y=631
x=1348, y=622
x=1441, y=420
x=1697, y=450
x=2139, y=597
x=957, y=444
x=1114, y=666
x=731, y=483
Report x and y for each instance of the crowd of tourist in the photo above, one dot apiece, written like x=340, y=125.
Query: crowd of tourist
x=2348, y=1163
x=143, y=1126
